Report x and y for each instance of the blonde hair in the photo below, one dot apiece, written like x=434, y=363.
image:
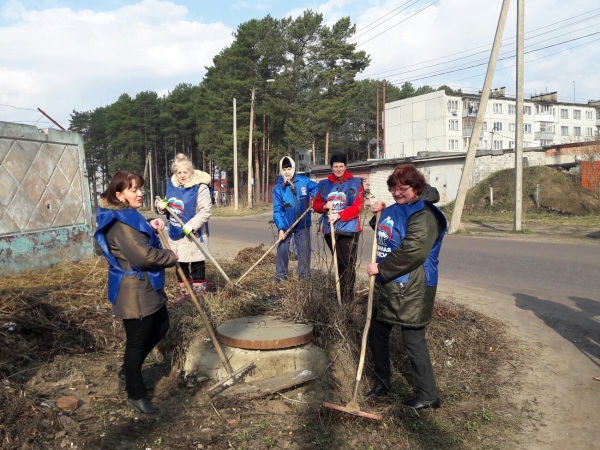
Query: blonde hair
x=181, y=161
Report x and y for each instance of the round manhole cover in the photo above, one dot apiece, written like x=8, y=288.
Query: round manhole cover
x=263, y=333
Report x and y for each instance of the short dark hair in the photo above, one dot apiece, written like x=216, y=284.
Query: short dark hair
x=338, y=158
x=285, y=163
x=407, y=175
x=120, y=181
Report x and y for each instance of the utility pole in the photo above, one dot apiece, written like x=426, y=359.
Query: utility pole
x=377, y=155
x=485, y=94
x=383, y=106
x=236, y=204
x=250, y=149
x=519, y=119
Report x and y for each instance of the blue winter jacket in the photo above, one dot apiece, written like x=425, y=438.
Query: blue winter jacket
x=287, y=206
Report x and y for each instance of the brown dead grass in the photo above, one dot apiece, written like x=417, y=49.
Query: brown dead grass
x=65, y=337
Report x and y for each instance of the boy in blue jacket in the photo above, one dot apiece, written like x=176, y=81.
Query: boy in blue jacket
x=292, y=196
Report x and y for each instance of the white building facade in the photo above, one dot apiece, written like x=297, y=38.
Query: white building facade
x=440, y=122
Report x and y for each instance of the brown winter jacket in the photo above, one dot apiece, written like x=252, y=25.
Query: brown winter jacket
x=137, y=298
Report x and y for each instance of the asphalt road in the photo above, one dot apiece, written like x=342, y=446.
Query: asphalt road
x=559, y=281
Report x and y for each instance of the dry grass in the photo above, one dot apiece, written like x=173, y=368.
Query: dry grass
x=61, y=319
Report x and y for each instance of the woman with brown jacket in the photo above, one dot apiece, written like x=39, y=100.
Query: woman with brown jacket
x=136, y=277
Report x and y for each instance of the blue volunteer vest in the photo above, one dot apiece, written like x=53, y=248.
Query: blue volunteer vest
x=391, y=231
x=182, y=202
x=341, y=195
x=105, y=218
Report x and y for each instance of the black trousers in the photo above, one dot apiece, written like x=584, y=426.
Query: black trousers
x=195, y=270
x=346, y=247
x=415, y=345
x=142, y=335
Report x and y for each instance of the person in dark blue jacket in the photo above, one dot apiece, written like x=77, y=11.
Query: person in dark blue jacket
x=292, y=196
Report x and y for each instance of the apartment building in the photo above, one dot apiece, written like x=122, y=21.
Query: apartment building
x=443, y=122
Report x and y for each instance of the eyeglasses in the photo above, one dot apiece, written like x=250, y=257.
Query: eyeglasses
x=399, y=189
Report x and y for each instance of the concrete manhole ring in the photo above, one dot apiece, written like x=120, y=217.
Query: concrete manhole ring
x=263, y=333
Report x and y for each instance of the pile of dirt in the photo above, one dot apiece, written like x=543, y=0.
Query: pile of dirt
x=58, y=338
x=545, y=189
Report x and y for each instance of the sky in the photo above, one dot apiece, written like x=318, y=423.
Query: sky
x=63, y=55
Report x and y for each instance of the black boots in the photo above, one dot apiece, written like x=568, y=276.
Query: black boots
x=418, y=404
x=143, y=405
x=379, y=390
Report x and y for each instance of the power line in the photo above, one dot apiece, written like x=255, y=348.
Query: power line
x=425, y=76
x=505, y=42
x=402, y=21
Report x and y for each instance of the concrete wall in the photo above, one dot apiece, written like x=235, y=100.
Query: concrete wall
x=45, y=210
x=444, y=173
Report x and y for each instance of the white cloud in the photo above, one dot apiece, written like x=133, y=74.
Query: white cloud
x=61, y=58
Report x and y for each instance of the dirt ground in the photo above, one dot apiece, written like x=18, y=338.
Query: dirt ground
x=561, y=405
x=550, y=393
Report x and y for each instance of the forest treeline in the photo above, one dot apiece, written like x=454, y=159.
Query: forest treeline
x=302, y=75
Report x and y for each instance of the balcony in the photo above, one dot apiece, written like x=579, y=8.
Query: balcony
x=544, y=135
x=469, y=112
x=544, y=117
x=467, y=132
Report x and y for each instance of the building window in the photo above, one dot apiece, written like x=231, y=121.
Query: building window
x=453, y=124
x=497, y=107
x=577, y=131
x=527, y=128
x=497, y=126
x=511, y=127
x=564, y=131
x=453, y=144
x=300, y=157
x=511, y=144
x=497, y=145
x=589, y=115
x=576, y=114
x=452, y=105
x=546, y=142
x=484, y=126
x=512, y=109
x=527, y=110
x=544, y=109
x=564, y=113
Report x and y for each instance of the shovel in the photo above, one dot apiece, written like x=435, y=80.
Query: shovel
x=335, y=263
x=273, y=246
x=352, y=406
x=232, y=375
x=206, y=253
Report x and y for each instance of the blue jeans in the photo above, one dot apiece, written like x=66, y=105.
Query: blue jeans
x=302, y=242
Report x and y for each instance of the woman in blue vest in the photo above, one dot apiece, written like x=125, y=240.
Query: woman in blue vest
x=340, y=199
x=409, y=239
x=136, y=278
x=291, y=198
x=188, y=196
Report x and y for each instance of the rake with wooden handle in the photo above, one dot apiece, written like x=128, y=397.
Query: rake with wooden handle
x=205, y=251
x=273, y=246
x=335, y=263
x=352, y=406
x=232, y=375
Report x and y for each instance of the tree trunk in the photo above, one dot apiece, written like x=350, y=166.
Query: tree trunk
x=256, y=173
x=327, y=143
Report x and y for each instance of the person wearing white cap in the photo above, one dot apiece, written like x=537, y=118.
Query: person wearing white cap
x=292, y=196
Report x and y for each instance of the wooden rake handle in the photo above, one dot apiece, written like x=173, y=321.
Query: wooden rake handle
x=205, y=320
x=273, y=246
x=363, y=347
x=194, y=238
x=338, y=290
